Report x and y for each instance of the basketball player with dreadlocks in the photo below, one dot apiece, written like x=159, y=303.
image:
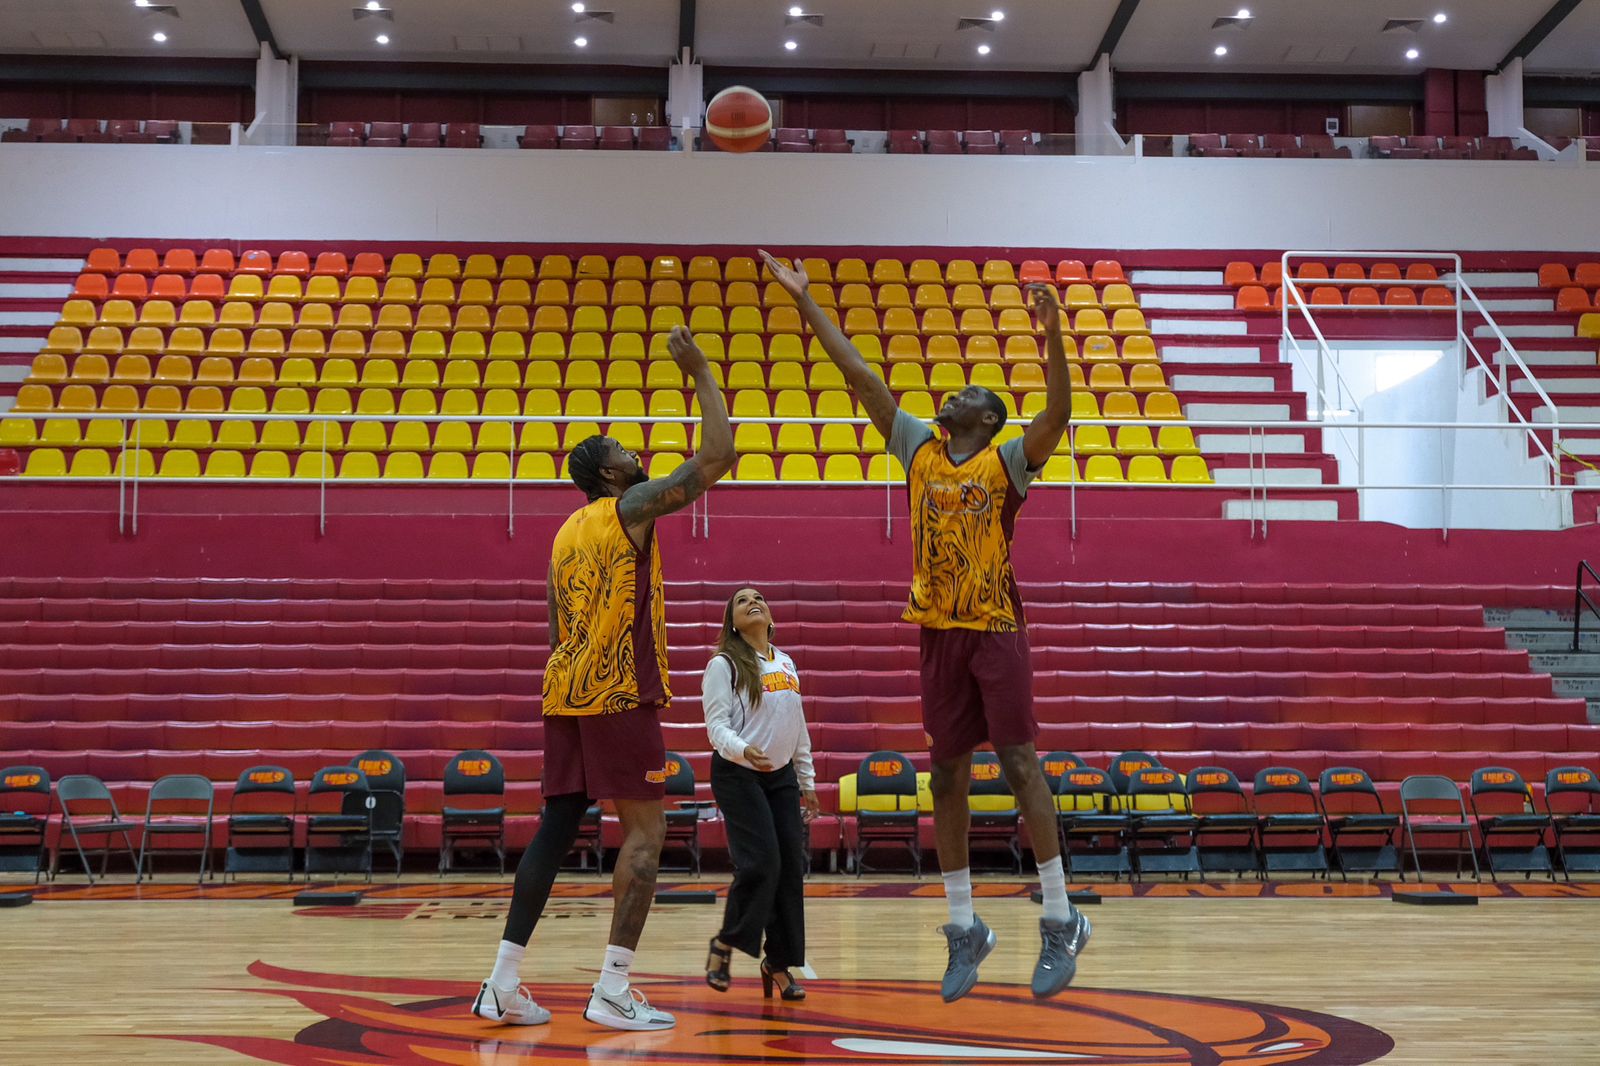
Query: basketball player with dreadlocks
x=977, y=684
x=604, y=688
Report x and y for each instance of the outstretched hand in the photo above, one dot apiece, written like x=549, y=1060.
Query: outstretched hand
x=1045, y=306
x=684, y=351
x=793, y=279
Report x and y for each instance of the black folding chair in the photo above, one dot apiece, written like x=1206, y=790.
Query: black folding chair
x=1124, y=766
x=386, y=777
x=1572, y=796
x=171, y=812
x=478, y=779
x=1510, y=831
x=886, y=808
x=1093, y=832
x=25, y=806
x=1161, y=830
x=1361, y=834
x=1052, y=765
x=683, y=819
x=1291, y=824
x=1430, y=804
x=1225, y=839
x=105, y=821
x=261, y=819
x=992, y=808
x=339, y=840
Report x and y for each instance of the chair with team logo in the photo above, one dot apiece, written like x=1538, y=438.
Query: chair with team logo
x=1511, y=832
x=1572, y=795
x=1225, y=839
x=25, y=806
x=1290, y=833
x=1361, y=834
x=1161, y=828
x=884, y=798
x=477, y=782
x=1122, y=769
x=338, y=823
x=1093, y=829
x=1052, y=765
x=386, y=777
x=261, y=817
x=993, y=808
x=683, y=818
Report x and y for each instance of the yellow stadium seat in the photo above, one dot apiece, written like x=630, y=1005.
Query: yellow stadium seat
x=277, y=314
x=1104, y=377
x=741, y=268
x=661, y=375
x=1015, y=322
x=307, y=342
x=420, y=374
x=17, y=432
x=593, y=266
x=266, y=342
x=754, y=468
x=314, y=465
x=459, y=403
x=269, y=465
x=1090, y=320
x=799, y=468
x=1147, y=377
x=135, y=463
x=418, y=402
x=158, y=313
x=930, y=296
x=823, y=294
x=246, y=287
x=967, y=297
x=453, y=437
x=355, y=317
x=624, y=375
x=629, y=320
x=513, y=293
x=667, y=404
x=751, y=403
x=491, y=466
x=1029, y=377
x=786, y=375
x=583, y=403
x=752, y=437
x=1002, y=297
x=746, y=375
x=462, y=374
x=774, y=296
x=999, y=272
x=792, y=403
x=825, y=376
x=49, y=368
x=236, y=434
x=893, y=295
x=517, y=267
x=437, y=291
x=745, y=320
x=360, y=291
x=410, y=437
x=395, y=291
x=444, y=265
x=1099, y=347
x=82, y=313
x=1190, y=470
x=795, y=438
x=1134, y=440
x=625, y=403
x=1080, y=296
x=194, y=434
x=541, y=403
x=90, y=462
x=1102, y=468
x=884, y=467
x=668, y=437
x=855, y=295
x=1588, y=326
x=536, y=466
x=834, y=403
x=46, y=462
x=587, y=345
x=547, y=346
x=740, y=294
x=557, y=266
x=1120, y=404
x=573, y=433
x=924, y=272
x=62, y=431
x=399, y=317
x=185, y=340
x=375, y=402
x=886, y=271
x=842, y=467
x=125, y=399
x=900, y=321
x=34, y=398
x=705, y=294
x=918, y=405
x=1059, y=469
x=1129, y=320
x=405, y=265
x=983, y=348
x=977, y=322
x=104, y=340
x=1162, y=405
x=862, y=321
x=367, y=437
x=1084, y=405
x=324, y=435
x=402, y=466
x=224, y=462
x=297, y=371
x=284, y=287
x=853, y=271
x=583, y=374
x=1118, y=296
x=664, y=318
x=628, y=435
x=70, y=398
x=704, y=268
x=496, y=436
x=1147, y=469
x=707, y=320
x=379, y=372
x=504, y=344
x=906, y=375
x=65, y=340
x=838, y=439
x=1176, y=440
x=665, y=294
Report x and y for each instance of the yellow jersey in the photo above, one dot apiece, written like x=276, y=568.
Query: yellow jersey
x=610, y=619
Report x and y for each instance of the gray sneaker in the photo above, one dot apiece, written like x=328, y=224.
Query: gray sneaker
x=968, y=947
x=1058, y=958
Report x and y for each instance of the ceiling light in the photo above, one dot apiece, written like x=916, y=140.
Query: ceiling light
x=383, y=38
x=577, y=9
x=1220, y=50
x=983, y=49
x=159, y=38
x=998, y=16
x=373, y=5
x=791, y=45
x=795, y=12
x=581, y=42
x=1440, y=18
x=1244, y=13
x=1412, y=53
x=141, y=3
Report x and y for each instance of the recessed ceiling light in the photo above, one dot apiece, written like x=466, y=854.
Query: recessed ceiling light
x=791, y=45
x=795, y=11
x=1220, y=50
x=998, y=16
x=159, y=38
x=1440, y=18
x=1412, y=53
x=141, y=3
x=1244, y=13
x=383, y=38
x=581, y=42
x=577, y=9
x=373, y=5
x=983, y=49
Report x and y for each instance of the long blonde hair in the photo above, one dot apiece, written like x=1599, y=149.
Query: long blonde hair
x=742, y=657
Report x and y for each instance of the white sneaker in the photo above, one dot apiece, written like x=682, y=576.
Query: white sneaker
x=626, y=1010
x=512, y=1008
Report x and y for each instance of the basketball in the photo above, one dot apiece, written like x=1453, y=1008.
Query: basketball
x=739, y=119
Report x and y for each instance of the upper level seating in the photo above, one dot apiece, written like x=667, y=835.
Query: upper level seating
x=1357, y=284
x=1258, y=145
x=580, y=338
x=1427, y=147
x=91, y=131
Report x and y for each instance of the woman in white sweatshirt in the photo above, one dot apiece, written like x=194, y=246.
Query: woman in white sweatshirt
x=763, y=780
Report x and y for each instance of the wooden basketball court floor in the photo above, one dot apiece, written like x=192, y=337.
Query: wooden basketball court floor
x=1236, y=973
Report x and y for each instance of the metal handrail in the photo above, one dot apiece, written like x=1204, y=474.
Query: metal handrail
x=1581, y=600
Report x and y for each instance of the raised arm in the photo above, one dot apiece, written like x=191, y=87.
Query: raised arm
x=1043, y=434
x=868, y=387
x=649, y=500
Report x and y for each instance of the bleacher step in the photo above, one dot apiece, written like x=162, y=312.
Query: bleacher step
x=1522, y=304
x=1282, y=510
x=1243, y=476
x=29, y=318
x=19, y=344
x=1552, y=640
x=1223, y=383
x=1242, y=443
x=40, y=266
x=1238, y=412
x=1568, y=665
x=23, y=291
x=1556, y=330
x=1176, y=277
x=1185, y=301
x=1585, y=687
x=1566, y=357
x=1201, y=353
x=1557, y=386
x=1490, y=280
x=1203, y=327
x=1527, y=618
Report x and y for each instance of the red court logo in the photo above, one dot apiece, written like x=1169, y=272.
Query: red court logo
x=843, y=1023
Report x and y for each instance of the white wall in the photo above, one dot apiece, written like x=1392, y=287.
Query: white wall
x=311, y=194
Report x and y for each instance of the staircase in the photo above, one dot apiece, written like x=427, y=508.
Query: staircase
x=1547, y=637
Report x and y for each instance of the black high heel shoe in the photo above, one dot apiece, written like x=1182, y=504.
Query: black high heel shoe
x=718, y=960
x=788, y=987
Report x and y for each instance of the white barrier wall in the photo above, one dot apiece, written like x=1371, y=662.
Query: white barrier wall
x=311, y=194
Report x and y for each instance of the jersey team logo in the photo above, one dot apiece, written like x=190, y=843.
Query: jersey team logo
x=844, y=1023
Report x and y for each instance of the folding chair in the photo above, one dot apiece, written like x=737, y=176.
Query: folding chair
x=478, y=776
x=1361, y=834
x=1161, y=830
x=993, y=808
x=886, y=807
x=683, y=820
x=386, y=778
x=1431, y=804
x=1093, y=835
x=86, y=789
x=261, y=818
x=25, y=807
x=1225, y=840
x=1291, y=824
x=1572, y=795
x=177, y=795
x=339, y=841
x=1503, y=805
x=1124, y=766
x=1052, y=766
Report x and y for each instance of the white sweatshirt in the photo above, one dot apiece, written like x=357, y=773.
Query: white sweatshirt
x=777, y=726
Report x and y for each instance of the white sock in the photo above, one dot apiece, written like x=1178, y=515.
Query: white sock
x=958, y=894
x=614, y=971
x=507, y=966
x=1053, y=884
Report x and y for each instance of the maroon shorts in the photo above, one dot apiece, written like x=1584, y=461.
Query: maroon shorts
x=605, y=756
x=977, y=686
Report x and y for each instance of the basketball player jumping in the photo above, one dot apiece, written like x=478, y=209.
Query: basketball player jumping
x=977, y=684
x=604, y=687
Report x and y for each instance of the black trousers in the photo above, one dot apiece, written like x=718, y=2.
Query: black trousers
x=766, y=839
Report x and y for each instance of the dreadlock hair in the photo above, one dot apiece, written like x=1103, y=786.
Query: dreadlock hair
x=995, y=404
x=731, y=642
x=584, y=464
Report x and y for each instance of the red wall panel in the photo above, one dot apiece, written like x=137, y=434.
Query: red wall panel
x=187, y=103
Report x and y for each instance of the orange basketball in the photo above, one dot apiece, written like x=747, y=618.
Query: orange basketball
x=739, y=119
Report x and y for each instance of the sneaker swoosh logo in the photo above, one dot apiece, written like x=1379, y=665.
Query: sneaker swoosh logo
x=628, y=1013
